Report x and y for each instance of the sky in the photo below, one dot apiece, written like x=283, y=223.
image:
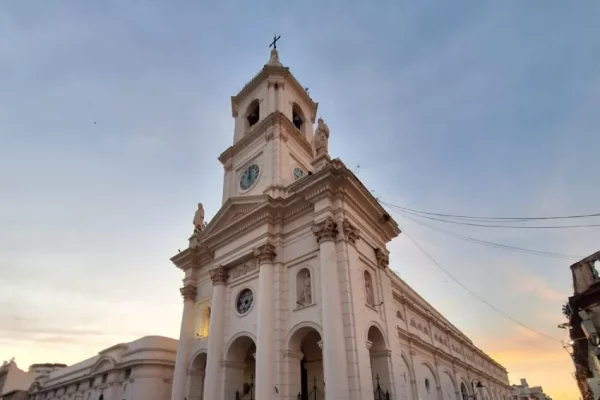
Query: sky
x=113, y=114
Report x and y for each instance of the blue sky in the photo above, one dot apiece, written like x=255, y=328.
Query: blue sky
x=113, y=113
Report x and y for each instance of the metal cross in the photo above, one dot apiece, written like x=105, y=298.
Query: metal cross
x=275, y=39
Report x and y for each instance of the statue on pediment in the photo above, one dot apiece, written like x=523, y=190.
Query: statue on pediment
x=199, y=224
x=321, y=139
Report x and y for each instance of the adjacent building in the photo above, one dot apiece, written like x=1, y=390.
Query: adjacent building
x=583, y=312
x=14, y=382
x=142, y=369
x=524, y=392
x=287, y=291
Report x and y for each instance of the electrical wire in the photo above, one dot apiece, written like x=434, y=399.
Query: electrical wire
x=493, y=244
x=508, y=219
x=433, y=260
x=490, y=225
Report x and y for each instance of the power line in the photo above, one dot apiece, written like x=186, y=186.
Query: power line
x=508, y=219
x=493, y=244
x=475, y=294
x=490, y=225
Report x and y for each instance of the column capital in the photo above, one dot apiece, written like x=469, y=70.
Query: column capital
x=265, y=254
x=351, y=232
x=218, y=275
x=325, y=230
x=369, y=344
x=383, y=260
x=188, y=291
x=320, y=343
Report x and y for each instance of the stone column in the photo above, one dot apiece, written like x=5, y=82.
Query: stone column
x=186, y=334
x=265, y=326
x=334, y=343
x=212, y=382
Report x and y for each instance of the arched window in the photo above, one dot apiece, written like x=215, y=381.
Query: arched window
x=370, y=291
x=252, y=113
x=303, y=288
x=463, y=391
x=399, y=315
x=205, y=327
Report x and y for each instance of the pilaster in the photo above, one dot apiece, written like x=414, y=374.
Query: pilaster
x=212, y=385
x=186, y=334
x=265, y=346
x=334, y=359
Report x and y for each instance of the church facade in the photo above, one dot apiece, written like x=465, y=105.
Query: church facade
x=288, y=292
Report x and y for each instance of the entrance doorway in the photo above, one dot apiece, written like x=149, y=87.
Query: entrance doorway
x=240, y=369
x=303, y=379
x=306, y=371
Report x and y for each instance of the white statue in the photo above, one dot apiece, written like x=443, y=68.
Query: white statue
x=369, y=289
x=321, y=139
x=304, y=289
x=307, y=290
x=199, y=219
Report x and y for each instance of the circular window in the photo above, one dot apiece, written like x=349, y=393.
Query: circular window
x=298, y=173
x=244, y=301
x=427, y=385
x=249, y=177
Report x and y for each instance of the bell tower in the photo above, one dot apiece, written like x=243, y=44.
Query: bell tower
x=272, y=138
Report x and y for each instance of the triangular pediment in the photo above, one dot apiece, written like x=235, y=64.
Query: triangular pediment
x=233, y=210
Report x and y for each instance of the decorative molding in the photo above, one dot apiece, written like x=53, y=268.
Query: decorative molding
x=242, y=269
x=262, y=128
x=218, y=275
x=293, y=354
x=325, y=230
x=383, y=260
x=228, y=165
x=351, y=232
x=265, y=254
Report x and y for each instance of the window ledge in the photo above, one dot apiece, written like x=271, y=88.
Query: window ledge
x=302, y=307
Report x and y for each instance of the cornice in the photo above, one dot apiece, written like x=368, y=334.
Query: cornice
x=412, y=299
x=193, y=257
x=275, y=119
x=84, y=373
x=415, y=340
x=335, y=179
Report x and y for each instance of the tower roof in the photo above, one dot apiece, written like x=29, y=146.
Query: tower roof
x=273, y=68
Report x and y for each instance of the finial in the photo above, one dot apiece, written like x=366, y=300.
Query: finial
x=274, y=59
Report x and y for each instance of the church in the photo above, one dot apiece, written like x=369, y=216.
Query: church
x=287, y=291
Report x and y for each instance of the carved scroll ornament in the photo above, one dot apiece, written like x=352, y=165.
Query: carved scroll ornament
x=218, y=276
x=265, y=254
x=351, y=232
x=326, y=230
x=188, y=292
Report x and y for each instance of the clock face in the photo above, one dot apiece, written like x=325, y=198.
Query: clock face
x=244, y=301
x=249, y=177
x=298, y=173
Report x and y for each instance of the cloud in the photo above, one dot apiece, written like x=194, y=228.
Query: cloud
x=535, y=285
